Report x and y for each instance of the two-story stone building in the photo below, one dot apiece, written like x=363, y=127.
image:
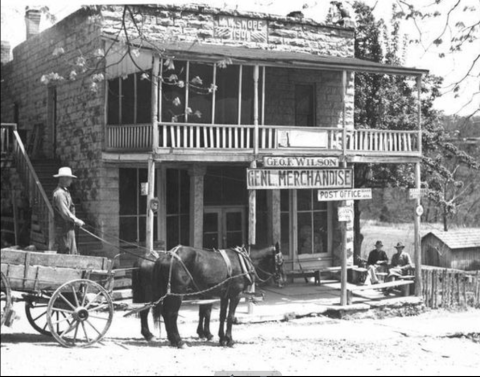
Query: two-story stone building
x=252, y=114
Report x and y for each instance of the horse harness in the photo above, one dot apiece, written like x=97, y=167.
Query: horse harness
x=245, y=263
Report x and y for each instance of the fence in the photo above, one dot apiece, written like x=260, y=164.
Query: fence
x=447, y=288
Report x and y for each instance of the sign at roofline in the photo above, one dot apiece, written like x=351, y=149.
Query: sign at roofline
x=301, y=162
x=334, y=195
x=270, y=179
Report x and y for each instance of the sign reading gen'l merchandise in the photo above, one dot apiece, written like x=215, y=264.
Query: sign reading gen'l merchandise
x=265, y=179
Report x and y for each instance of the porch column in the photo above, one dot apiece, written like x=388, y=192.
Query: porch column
x=419, y=208
x=255, y=108
x=155, y=96
x=150, y=212
x=162, y=206
x=197, y=175
x=273, y=216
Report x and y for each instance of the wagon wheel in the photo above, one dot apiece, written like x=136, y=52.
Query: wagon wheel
x=88, y=313
x=36, y=311
x=6, y=298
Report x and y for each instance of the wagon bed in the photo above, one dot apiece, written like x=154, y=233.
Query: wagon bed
x=66, y=296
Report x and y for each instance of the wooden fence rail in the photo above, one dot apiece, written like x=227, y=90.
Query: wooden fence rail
x=450, y=288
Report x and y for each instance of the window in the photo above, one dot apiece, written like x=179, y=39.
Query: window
x=225, y=186
x=199, y=98
x=133, y=206
x=226, y=97
x=178, y=208
x=312, y=223
x=304, y=105
x=129, y=100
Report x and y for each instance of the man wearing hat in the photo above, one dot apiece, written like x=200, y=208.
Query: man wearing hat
x=64, y=213
x=377, y=260
x=400, y=262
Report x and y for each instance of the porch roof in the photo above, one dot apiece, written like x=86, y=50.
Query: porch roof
x=241, y=54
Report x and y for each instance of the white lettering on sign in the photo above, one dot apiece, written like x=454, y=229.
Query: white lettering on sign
x=258, y=179
x=334, y=195
x=345, y=214
x=301, y=162
x=241, y=29
x=417, y=193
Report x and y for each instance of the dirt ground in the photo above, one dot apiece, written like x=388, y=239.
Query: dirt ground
x=419, y=345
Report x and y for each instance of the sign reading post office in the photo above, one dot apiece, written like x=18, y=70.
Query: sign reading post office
x=270, y=179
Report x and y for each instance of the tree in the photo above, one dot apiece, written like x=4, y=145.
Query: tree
x=390, y=102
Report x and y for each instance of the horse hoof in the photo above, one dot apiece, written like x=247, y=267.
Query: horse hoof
x=209, y=337
x=223, y=343
x=183, y=346
x=231, y=343
x=149, y=337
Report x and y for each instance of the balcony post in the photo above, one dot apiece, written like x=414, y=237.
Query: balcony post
x=150, y=212
x=155, y=69
x=344, y=111
x=418, y=249
x=255, y=108
x=419, y=113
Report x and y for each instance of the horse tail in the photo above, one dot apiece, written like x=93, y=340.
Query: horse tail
x=138, y=290
x=158, y=290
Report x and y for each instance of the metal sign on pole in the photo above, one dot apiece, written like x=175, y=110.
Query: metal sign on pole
x=337, y=195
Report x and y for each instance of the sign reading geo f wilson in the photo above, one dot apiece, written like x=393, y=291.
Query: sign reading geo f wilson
x=270, y=179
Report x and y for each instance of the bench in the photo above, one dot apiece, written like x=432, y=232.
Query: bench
x=315, y=273
x=404, y=283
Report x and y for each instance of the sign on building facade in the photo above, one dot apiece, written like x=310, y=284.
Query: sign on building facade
x=264, y=179
x=335, y=195
x=241, y=29
x=301, y=162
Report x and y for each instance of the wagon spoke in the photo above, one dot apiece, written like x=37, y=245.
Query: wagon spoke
x=75, y=295
x=64, y=299
x=63, y=320
x=76, y=333
x=62, y=335
x=84, y=294
x=93, y=327
x=63, y=311
x=85, y=332
x=105, y=306
x=101, y=318
x=40, y=316
x=64, y=316
x=93, y=301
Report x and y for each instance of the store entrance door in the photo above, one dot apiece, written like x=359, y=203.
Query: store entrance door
x=223, y=227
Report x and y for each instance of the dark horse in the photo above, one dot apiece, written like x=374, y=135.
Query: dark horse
x=195, y=270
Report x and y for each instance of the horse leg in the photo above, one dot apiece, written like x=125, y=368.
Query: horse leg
x=171, y=306
x=144, y=325
x=203, y=329
x=231, y=319
x=206, y=326
x=223, y=316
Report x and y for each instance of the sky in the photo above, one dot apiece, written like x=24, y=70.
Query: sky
x=451, y=68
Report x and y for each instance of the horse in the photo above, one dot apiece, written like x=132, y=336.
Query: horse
x=186, y=270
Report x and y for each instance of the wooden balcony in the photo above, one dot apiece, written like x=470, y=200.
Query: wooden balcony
x=241, y=141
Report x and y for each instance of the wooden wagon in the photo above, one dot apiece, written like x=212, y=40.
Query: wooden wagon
x=66, y=296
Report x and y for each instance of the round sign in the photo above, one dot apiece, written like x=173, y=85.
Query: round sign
x=419, y=211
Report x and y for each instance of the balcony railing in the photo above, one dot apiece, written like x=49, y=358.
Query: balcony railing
x=241, y=138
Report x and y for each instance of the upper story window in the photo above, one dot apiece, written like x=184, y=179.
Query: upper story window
x=129, y=100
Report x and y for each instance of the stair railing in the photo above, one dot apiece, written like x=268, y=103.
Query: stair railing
x=41, y=206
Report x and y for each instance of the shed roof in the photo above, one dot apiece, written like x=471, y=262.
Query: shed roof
x=459, y=238
x=242, y=54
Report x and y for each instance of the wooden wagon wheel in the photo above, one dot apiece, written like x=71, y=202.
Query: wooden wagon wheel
x=6, y=298
x=36, y=308
x=88, y=313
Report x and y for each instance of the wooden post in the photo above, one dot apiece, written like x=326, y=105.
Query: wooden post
x=155, y=69
x=419, y=113
x=344, y=111
x=252, y=224
x=343, y=277
x=15, y=215
x=255, y=108
x=418, y=251
x=197, y=174
x=150, y=213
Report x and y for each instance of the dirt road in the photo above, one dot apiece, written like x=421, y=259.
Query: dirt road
x=420, y=345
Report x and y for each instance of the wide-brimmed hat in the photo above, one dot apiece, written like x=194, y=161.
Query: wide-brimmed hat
x=379, y=243
x=65, y=172
x=400, y=246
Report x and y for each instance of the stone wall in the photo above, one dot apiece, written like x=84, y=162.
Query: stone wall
x=80, y=111
x=200, y=23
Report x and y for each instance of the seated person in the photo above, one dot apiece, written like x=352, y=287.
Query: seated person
x=377, y=261
x=401, y=262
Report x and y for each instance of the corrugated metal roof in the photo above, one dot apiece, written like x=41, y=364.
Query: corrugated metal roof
x=458, y=238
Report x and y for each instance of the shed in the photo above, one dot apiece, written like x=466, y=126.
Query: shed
x=458, y=249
